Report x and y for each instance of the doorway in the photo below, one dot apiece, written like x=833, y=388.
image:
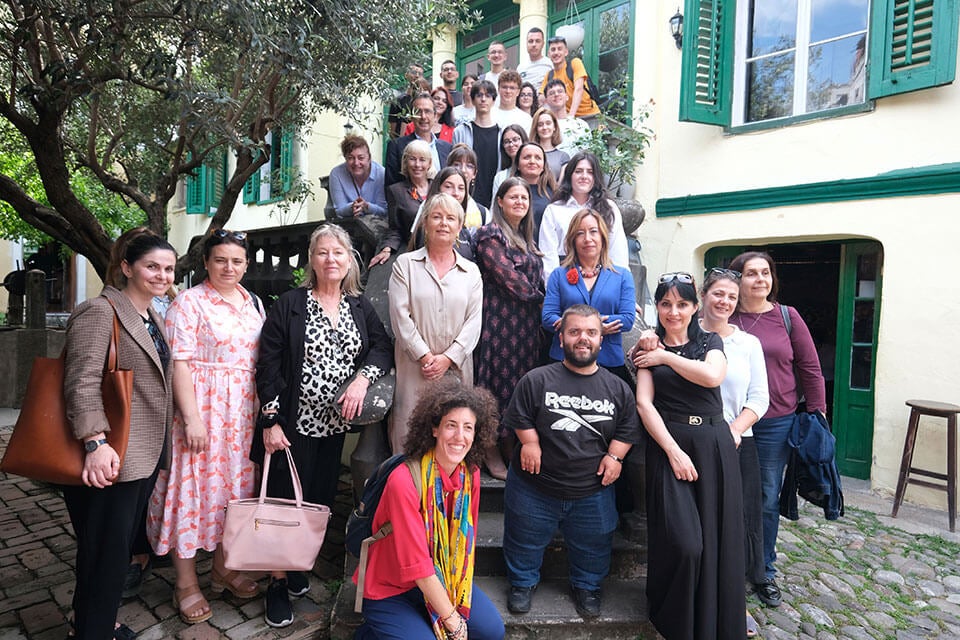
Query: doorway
x=835, y=286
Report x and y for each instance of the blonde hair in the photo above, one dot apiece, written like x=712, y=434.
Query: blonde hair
x=446, y=203
x=569, y=243
x=350, y=285
x=421, y=148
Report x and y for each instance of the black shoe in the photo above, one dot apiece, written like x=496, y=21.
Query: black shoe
x=297, y=583
x=769, y=593
x=587, y=602
x=136, y=574
x=279, y=612
x=520, y=599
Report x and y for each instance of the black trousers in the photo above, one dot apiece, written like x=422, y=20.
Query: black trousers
x=105, y=522
x=752, y=511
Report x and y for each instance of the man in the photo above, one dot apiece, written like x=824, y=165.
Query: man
x=572, y=130
x=579, y=103
x=356, y=186
x=424, y=116
x=497, y=55
x=508, y=112
x=575, y=423
x=450, y=75
x=539, y=66
x=483, y=136
x=396, y=118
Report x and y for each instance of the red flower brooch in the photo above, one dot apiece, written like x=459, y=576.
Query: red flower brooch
x=573, y=276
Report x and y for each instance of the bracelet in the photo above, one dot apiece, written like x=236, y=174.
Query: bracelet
x=448, y=616
x=620, y=460
x=456, y=633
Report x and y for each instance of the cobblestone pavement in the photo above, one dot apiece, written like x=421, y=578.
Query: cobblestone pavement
x=863, y=576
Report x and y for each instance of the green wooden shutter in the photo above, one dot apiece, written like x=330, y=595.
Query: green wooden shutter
x=707, y=68
x=251, y=189
x=913, y=45
x=197, y=190
x=216, y=182
x=286, y=161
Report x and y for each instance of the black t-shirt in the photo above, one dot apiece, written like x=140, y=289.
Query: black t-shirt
x=485, y=144
x=576, y=417
x=675, y=394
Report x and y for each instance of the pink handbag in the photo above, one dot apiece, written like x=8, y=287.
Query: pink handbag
x=274, y=534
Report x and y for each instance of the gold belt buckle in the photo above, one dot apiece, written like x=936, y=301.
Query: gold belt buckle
x=695, y=420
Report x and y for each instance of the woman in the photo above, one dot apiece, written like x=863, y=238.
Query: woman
x=463, y=158
x=527, y=99
x=106, y=511
x=745, y=399
x=465, y=112
x=443, y=106
x=510, y=265
x=315, y=338
x=582, y=187
x=435, y=304
x=694, y=509
x=214, y=329
x=793, y=372
x=422, y=573
x=546, y=132
x=453, y=183
x=405, y=197
x=531, y=165
x=587, y=276
x=510, y=140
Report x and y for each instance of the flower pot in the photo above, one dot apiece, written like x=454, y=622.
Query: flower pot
x=573, y=34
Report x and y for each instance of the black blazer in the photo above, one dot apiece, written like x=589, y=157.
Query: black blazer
x=395, y=153
x=280, y=361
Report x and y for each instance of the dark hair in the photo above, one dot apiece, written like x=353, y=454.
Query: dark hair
x=536, y=102
x=486, y=87
x=534, y=30
x=554, y=83
x=468, y=75
x=555, y=39
x=114, y=276
x=439, y=398
x=441, y=177
x=598, y=199
x=521, y=239
x=687, y=291
x=448, y=60
x=582, y=310
x=351, y=143
x=545, y=184
x=217, y=237
x=738, y=263
x=714, y=276
x=506, y=161
x=447, y=116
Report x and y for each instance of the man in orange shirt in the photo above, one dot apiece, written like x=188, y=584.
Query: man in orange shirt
x=579, y=102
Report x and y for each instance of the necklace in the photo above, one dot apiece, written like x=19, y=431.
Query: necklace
x=590, y=273
x=755, y=321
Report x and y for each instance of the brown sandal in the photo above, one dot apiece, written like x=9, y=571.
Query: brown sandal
x=235, y=582
x=189, y=599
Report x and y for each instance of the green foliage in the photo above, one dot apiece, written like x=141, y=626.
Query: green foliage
x=620, y=148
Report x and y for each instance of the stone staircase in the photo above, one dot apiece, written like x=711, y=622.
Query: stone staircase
x=553, y=616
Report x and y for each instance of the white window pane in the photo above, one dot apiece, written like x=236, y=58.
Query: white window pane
x=832, y=18
x=773, y=26
x=836, y=73
x=770, y=87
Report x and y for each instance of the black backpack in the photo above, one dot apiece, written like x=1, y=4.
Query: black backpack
x=588, y=85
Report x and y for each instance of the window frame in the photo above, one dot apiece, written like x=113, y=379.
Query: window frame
x=204, y=189
x=279, y=170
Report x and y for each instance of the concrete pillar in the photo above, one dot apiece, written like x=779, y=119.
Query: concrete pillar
x=533, y=13
x=36, y=300
x=444, y=48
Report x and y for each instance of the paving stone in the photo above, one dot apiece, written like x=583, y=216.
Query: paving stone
x=136, y=616
x=951, y=583
x=882, y=621
x=930, y=588
x=889, y=577
x=25, y=600
x=12, y=634
x=201, y=631
x=41, y=616
x=854, y=633
x=818, y=615
x=837, y=585
x=225, y=615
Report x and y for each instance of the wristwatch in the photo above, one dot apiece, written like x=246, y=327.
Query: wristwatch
x=91, y=445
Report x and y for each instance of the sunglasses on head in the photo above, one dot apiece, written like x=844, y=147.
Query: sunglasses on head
x=730, y=273
x=236, y=235
x=679, y=276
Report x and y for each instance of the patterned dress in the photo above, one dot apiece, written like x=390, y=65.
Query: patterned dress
x=512, y=299
x=219, y=342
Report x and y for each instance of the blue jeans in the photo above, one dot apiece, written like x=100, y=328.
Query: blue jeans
x=404, y=617
x=770, y=435
x=531, y=518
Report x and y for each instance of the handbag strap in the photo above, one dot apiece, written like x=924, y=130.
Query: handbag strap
x=113, y=352
x=294, y=477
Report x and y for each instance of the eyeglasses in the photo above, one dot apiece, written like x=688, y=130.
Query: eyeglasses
x=526, y=94
x=236, y=235
x=679, y=276
x=463, y=166
x=730, y=273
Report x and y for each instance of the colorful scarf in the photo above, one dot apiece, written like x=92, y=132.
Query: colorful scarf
x=451, y=536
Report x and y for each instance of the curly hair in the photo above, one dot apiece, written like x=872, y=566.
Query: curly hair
x=440, y=398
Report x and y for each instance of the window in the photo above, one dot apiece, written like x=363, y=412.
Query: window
x=204, y=188
x=275, y=178
x=606, y=49
x=747, y=61
x=501, y=23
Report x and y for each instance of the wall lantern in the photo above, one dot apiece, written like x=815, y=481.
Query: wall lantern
x=676, y=28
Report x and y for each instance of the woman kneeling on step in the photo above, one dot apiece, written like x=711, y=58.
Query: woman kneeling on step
x=419, y=579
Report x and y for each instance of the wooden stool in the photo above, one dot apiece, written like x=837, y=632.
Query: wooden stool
x=939, y=410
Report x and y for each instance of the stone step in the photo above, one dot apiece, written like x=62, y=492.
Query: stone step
x=628, y=560
x=623, y=613
x=491, y=493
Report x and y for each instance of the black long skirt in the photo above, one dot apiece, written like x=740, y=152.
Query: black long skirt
x=696, y=551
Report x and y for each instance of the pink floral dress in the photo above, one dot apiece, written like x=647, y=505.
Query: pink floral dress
x=220, y=344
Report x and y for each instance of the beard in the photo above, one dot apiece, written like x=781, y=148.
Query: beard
x=570, y=355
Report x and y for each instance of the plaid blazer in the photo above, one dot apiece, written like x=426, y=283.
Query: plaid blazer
x=88, y=339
